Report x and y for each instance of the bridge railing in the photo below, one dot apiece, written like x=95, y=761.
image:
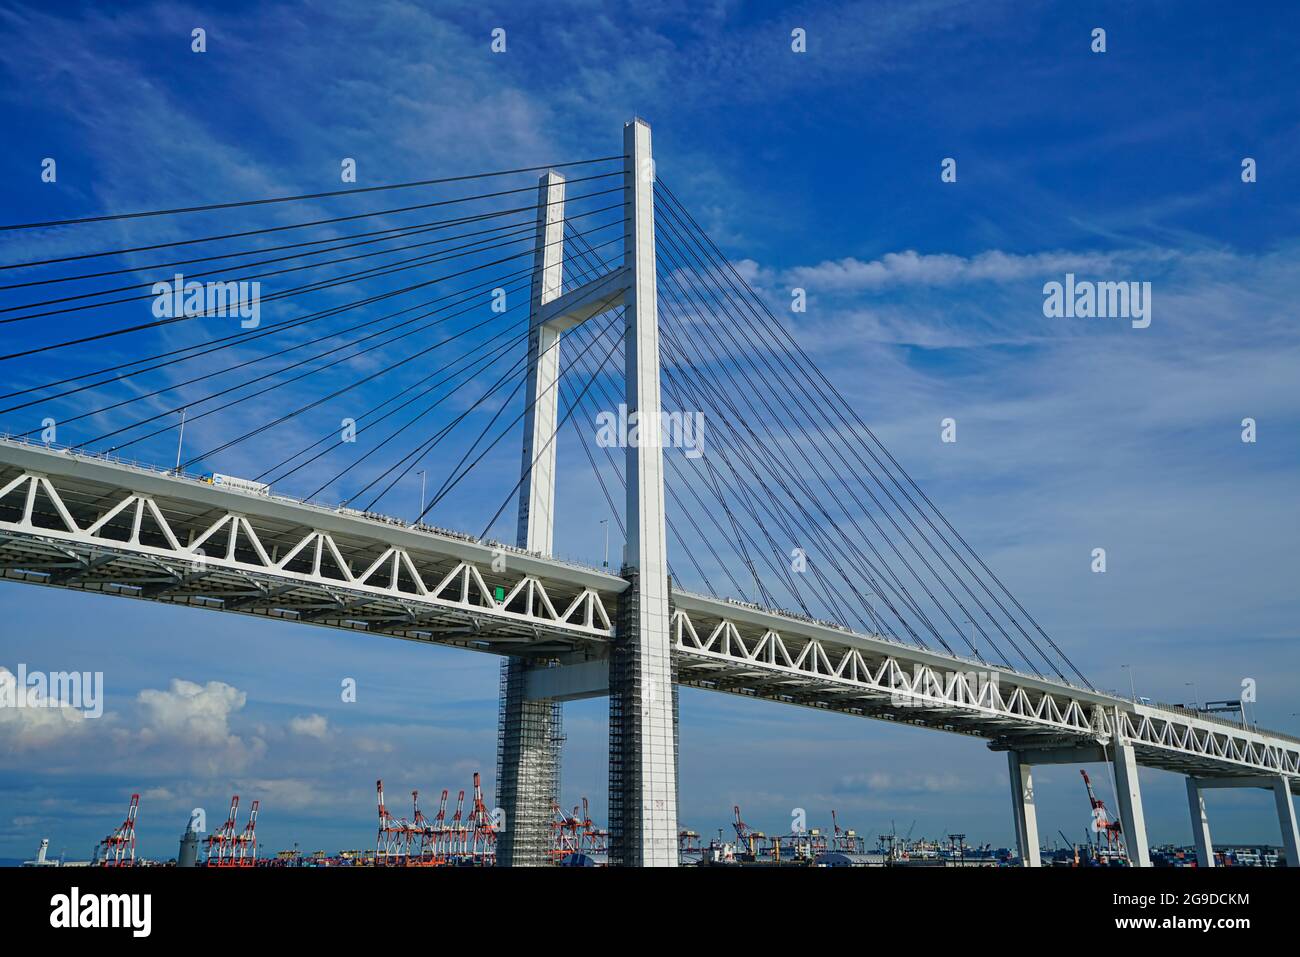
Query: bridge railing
x=340, y=509
x=1214, y=719
x=887, y=639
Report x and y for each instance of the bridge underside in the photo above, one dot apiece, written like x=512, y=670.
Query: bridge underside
x=180, y=541
x=87, y=524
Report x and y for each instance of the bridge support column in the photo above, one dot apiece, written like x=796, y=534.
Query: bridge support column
x=528, y=735
x=1023, y=811
x=1200, y=824
x=1129, y=795
x=528, y=768
x=1286, y=819
x=1280, y=785
x=642, y=716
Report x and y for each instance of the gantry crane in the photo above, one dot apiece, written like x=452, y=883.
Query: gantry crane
x=484, y=834
x=1107, y=830
x=845, y=840
x=119, y=847
x=220, y=845
x=391, y=841
x=244, y=850
x=749, y=839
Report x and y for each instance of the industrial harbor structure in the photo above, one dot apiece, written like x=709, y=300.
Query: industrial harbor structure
x=464, y=838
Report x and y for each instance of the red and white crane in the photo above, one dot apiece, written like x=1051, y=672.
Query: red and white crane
x=422, y=841
x=484, y=848
x=457, y=842
x=441, y=834
x=749, y=839
x=391, y=839
x=1106, y=829
x=221, y=844
x=119, y=847
x=244, y=849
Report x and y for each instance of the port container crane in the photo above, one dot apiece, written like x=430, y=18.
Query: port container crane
x=119, y=847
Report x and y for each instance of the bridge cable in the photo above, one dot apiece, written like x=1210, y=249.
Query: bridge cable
x=507, y=234
x=490, y=358
x=427, y=445
x=228, y=341
x=392, y=232
x=210, y=346
x=588, y=272
x=303, y=196
x=521, y=234
x=943, y=584
x=261, y=358
x=759, y=391
x=583, y=261
x=514, y=492
x=343, y=280
x=738, y=537
x=457, y=473
x=266, y=230
x=776, y=325
x=961, y=581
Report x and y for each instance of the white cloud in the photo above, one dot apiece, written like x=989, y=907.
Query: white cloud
x=192, y=722
x=907, y=782
x=311, y=726
x=34, y=726
x=911, y=268
x=189, y=710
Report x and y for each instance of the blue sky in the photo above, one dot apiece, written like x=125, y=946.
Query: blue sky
x=818, y=171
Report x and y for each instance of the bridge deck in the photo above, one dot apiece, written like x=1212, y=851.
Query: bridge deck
x=78, y=521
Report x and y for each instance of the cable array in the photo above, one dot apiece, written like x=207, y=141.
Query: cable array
x=394, y=344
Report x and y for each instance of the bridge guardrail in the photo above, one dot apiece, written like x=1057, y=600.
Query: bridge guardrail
x=341, y=508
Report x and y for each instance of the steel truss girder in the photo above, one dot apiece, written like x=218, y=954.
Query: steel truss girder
x=914, y=692
x=768, y=656
x=721, y=645
x=84, y=554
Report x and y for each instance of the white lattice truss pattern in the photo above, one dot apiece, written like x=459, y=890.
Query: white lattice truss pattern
x=962, y=692
x=394, y=574
x=782, y=662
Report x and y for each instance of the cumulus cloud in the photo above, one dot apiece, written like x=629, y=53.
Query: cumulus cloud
x=310, y=726
x=40, y=723
x=187, y=709
x=197, y=719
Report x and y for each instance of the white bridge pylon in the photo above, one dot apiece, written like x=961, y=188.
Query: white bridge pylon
x=637, y=668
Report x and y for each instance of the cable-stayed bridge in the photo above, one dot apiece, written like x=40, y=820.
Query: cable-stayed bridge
x=788, y=556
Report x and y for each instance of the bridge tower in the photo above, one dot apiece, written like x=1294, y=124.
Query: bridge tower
x=638, y=674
